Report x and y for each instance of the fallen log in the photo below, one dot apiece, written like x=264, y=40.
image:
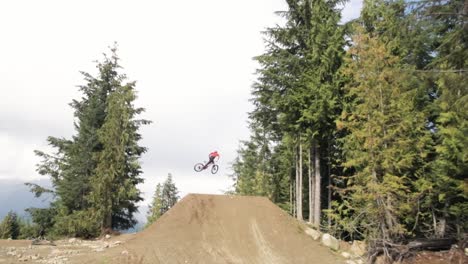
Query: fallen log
x=42, y=242
x=398, y=252
x=432, y=244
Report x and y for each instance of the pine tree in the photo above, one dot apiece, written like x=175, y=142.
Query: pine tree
x=113, y=193
x=74, y=165
x=447, y=198
x=252, y=168
x=155, y=208
x=169, y=195
x=10, y=227
x=422, y=45
x=297, y=92
x=164, y=198
x=296, y=99
x=245, y=168
x=386, y=143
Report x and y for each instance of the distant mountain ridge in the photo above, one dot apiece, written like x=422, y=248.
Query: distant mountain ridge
x=16, y=197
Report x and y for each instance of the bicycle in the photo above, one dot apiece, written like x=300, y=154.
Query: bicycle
x=200, y=166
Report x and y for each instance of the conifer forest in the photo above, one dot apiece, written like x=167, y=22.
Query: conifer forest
x=358, y=129
x=361, y=129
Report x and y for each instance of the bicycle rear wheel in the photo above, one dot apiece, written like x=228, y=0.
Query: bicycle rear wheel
x=198, y=167
x=214, y=169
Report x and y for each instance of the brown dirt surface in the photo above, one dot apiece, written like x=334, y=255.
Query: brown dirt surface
x=439, y=257
x=56, y=252
x=220, y=229
x=14, y=243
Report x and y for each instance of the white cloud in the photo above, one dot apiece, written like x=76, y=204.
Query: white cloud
x=17, y=161
x=351, y=10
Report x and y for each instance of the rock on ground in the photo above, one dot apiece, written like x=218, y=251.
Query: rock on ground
x=313, y=233
x=358, y=248
x=331, y=242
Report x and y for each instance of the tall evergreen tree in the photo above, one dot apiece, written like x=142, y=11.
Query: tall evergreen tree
x=386, y=143
x=10, y=227
x=114, y=193
x=73, y=164
x=448, y=198
x=76, y=164
x=170, y=194
x=296, y=95
x=155, y=208
x=164, y=198
x=252, y=168
x=244, y=168
x=422, y=46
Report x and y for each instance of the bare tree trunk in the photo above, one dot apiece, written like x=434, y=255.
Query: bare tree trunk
x=106, y=223
x=317, y=202
x=290, y=198
x=299, y=202
x=311, y=198
x=295, y=184
x=329, y=184
x=294, y=200
x=442, y=223
x=297, y=180
x=329, y=199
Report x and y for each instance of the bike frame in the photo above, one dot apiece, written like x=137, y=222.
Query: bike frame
x=208, y=165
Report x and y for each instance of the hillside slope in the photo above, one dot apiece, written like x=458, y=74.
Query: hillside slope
x=221, y=229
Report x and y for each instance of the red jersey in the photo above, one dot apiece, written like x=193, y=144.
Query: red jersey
x=214, y=154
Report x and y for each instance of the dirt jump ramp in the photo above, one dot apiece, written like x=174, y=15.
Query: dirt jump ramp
x=224, y=229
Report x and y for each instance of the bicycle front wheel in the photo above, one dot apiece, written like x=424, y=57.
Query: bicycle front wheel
x=214, y=169
x=198, y=167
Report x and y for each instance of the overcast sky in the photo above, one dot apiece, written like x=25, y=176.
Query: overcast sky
x=192, y=61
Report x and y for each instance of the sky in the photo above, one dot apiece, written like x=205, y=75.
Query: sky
x=192, y=61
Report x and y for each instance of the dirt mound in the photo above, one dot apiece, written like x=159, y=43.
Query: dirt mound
x=222, y=229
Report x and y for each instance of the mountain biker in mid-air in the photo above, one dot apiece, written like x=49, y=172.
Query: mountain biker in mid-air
x=200, y=166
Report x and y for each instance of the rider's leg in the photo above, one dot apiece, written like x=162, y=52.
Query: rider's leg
x=209, y=162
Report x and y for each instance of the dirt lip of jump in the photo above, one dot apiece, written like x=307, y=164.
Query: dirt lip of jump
x=221, y=229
